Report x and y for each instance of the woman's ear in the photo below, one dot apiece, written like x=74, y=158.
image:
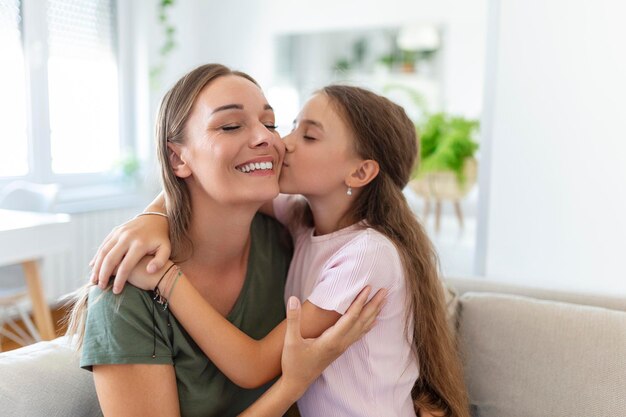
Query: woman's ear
x=364, y=173
x=178, y=164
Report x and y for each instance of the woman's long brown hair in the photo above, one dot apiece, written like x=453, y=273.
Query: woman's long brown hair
x=383, y=132
x=174, y=112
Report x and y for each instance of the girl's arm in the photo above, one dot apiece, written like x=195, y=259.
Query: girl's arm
x=128, y=243
x=247, y=362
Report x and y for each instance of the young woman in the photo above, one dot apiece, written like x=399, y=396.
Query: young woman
x=349, y=156
x=143, y=360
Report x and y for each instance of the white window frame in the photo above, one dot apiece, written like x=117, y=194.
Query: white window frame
x=34, y=35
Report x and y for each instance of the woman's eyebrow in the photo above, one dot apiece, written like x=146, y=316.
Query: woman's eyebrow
x=237, y=107
x=228, y=107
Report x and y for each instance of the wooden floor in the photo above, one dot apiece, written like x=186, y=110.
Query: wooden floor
x=57, y=317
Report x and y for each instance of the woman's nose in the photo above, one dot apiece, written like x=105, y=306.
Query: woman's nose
x=263, y=137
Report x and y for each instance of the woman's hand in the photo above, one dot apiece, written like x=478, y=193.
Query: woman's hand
x=127, y=245
x=303, y=360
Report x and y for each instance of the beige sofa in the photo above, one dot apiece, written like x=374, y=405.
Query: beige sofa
x=527, y=353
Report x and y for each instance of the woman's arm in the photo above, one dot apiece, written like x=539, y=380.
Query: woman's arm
x=303, y=360
x=137, y=390
x=128, y=243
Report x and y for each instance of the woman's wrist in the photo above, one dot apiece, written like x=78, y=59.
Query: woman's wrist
x=291, y=390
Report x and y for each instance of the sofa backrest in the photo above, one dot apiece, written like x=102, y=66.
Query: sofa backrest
x=525, y=357
x=462, y=285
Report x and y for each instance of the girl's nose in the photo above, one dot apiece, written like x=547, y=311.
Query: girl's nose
x=289, y=142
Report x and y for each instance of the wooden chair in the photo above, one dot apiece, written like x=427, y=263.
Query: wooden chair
x=444, y=185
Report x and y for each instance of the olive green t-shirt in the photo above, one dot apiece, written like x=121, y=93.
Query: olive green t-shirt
x=127, y=328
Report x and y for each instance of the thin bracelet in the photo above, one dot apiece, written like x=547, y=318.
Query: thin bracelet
x=158, y=297
x=169, y=295
x=155, y=213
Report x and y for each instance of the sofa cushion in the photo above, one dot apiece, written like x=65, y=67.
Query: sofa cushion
x=44, y=380
x=529, y=358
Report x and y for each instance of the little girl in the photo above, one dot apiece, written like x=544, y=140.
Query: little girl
x=348, y=158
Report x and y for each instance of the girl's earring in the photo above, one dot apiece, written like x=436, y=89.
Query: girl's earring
x=349, y=192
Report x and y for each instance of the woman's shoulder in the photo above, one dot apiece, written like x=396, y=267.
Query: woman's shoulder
x=131, y=300
x=124, y=328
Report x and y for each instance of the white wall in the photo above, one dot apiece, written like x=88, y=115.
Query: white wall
x=240, y=33
x=555, y=215
x=464, y=23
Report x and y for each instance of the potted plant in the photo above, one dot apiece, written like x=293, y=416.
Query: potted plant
x=446, y=144
x=447, y=168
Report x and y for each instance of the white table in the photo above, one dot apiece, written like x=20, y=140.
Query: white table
x=26, y=237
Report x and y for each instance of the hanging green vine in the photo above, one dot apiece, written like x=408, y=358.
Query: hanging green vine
x=169, y=41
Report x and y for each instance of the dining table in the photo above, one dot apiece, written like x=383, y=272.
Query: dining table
x=26, y=238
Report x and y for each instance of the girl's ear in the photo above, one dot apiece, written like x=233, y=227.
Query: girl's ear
x=364, y=173
x=178, y=164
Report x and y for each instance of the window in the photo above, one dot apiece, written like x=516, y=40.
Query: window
x=60, y=71
x=13, y=139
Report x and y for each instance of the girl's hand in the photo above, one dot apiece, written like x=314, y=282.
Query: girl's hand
x=303, y=360
x=126, y=245
x=144, y=280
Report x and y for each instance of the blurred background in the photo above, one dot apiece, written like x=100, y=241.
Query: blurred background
x=519, y=105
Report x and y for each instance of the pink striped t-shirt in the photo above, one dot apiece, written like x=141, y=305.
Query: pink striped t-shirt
x=374, y=377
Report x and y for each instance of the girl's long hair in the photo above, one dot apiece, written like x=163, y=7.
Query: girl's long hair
x=383, y=132
x=172, y=117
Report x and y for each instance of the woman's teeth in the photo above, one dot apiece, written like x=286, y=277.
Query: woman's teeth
x=255, y=166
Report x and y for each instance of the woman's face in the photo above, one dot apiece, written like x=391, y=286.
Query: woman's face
x=232, y=151
x=320, y=151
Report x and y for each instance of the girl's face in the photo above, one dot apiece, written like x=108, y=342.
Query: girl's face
x=320, y=152
x=232, y=151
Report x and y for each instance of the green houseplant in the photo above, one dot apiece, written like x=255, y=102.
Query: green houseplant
x=446, y=143
x=169, y=40
x=447, y=169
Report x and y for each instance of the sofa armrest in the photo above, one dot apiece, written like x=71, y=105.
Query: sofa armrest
x=44, y=379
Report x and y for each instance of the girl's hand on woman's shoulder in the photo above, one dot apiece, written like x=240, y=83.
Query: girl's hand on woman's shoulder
x=127, y=245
